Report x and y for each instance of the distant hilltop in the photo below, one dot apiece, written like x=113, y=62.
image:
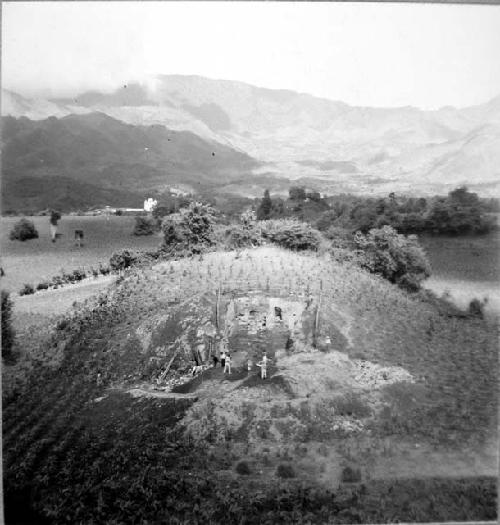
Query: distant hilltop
x=231, y=134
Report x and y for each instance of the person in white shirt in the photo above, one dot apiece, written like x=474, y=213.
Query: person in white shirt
x=263, y=366
x=227, y=365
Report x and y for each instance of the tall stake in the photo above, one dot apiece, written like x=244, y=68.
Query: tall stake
x=316, y=320
x=217, y=309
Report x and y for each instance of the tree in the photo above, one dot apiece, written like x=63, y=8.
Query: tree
x=23, y=230
x=395, y=257
x=191, y=227
x=278, y=208
x=265, y=207
x=363, y=216
x=463, y=197
x=7, y=329
x=460, y=212
x=297, y=193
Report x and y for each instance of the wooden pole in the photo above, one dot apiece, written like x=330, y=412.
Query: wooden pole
x=165, y=372
x=316, y=320
x=217, y=303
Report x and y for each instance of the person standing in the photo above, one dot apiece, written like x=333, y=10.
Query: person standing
x=227, y=364
x=54, y=218
x=263, y=366
x=222, y=357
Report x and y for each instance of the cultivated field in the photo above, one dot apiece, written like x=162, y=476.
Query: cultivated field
x=39, y=259
x=393, y=417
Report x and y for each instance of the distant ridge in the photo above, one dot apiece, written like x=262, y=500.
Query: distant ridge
x=102, y=155
x=297, y=136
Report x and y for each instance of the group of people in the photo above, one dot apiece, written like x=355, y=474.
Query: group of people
x=225, y=359
x=224, y=356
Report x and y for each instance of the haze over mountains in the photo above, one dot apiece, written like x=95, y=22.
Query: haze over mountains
x=260, y=137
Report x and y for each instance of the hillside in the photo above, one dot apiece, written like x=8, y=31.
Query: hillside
x=337, y=146
x=106, y=160
x=398, y=395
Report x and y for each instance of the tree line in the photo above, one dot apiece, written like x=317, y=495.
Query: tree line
x=460, y=212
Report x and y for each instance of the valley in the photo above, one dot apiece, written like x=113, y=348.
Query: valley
x=335, y=147
x=249, y=263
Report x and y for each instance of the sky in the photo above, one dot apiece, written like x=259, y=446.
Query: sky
x=363, y=54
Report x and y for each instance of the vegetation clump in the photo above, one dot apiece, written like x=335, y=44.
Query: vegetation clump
x=291, y=234
x=121, y=260
x=460, y=212
x=397, y=258
x=476, y=307
x=23, y=230
x=192, y=228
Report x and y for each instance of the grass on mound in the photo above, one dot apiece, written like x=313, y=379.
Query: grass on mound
x=71, y=459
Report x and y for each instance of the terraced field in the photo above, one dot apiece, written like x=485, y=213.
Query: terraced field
x=373, y=396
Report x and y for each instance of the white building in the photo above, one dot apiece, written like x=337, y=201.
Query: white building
x=150, y=204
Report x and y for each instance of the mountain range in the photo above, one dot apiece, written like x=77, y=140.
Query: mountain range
x=166, y=128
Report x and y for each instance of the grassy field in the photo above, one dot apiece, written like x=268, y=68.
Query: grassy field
x=39, y=259
x=465, y=267
x=404, y=393
x=468, y=258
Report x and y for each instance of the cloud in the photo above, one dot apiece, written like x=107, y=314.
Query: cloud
x=363, y=54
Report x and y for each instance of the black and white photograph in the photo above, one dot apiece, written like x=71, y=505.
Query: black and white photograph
x=249, y=262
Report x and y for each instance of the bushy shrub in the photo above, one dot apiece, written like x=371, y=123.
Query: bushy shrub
x=285, y=471
x=79, y=275
x=121, y=260
x=23, y=230
x=291, y=234
x=476, y=307
x=67, y=277
x=7, y=329
x=238, y=236
x=191, y=228
x=42, y=286
x=395, y=257
x=243, y=468
x=57, y=280
x=351, y=405
x=27, y=289
x=144, y=226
